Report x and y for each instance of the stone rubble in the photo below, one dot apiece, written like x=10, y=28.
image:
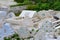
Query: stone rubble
x=37, y=25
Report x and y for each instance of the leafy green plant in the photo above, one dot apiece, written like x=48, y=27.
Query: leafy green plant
x=28, y=2
x=17, y=14
x=44, y=6
x=32, y=7
x=15, y=36
x=40, y=4
x=19, y=1
x=56, y=6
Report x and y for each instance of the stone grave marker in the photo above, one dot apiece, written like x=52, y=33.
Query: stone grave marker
x=28, y=13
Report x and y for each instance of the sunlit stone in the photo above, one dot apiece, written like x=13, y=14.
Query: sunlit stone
x=36, y=25
x=28, y=13
x=24, y=20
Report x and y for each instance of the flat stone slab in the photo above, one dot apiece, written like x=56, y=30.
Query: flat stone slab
x=6, y=30
x=27, y=13
x=3, y=14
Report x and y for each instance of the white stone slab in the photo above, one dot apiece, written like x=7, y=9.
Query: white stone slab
x=6, y=30
x=3, y=14
x=28, y=13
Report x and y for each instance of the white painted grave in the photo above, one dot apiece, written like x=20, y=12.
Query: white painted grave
x=28, y=13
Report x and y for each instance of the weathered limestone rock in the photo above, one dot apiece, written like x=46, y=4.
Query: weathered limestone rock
x=44, y=14
x=2, y=17
x=11, y=15
x=31, y=24
x=23, y=32
x=46, y=25
x=57, y=31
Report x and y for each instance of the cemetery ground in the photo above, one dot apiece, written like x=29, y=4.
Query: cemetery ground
x=31, y=25
x=30, y=20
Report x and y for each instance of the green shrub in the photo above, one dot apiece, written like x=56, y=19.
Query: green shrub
x=28, y=2
x=19, y=4
x=36, y=1
x=15, y=36
x=44, y=1
x=56, y=6
x=45, y=6
x=41, y=4
x=32, y=7
x=17, y=14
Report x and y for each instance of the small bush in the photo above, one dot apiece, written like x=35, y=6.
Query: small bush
x=45, y=6
x=17, y=14
x=33, y=7
x=28, y=2
x=44, y=1
x=41, y=4
x=56, y=6
x=14, y=36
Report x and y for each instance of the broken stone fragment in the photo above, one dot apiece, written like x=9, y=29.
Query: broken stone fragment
x=44, y=14
x=23, y=32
